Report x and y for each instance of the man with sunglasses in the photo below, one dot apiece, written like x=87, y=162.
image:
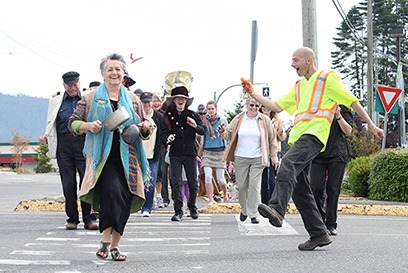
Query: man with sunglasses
x=313, y=100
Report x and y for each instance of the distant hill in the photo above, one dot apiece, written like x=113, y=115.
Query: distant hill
x=24, y=115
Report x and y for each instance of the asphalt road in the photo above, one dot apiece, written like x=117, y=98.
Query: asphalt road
x=38, y=242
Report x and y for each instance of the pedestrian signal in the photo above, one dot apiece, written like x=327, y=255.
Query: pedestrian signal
x=265, y=91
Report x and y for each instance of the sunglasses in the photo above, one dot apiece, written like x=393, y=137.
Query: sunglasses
x=252, y=105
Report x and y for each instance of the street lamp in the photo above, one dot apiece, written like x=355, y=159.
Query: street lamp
x=399, y=34
x=216, y=99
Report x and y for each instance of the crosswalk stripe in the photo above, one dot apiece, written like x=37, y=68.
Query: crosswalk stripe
x=263, y=228
x=28, y=262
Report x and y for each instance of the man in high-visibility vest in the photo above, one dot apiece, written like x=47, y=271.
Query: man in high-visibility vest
x=313, y=100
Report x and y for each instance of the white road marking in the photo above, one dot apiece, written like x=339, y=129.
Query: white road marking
x=28, y=262
x=263, y=228
x=57, y=239
x=32, y=252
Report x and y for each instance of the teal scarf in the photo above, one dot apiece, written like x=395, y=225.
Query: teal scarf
x=98, y=146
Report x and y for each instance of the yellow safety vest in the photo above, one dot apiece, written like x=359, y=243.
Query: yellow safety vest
x=314, y=109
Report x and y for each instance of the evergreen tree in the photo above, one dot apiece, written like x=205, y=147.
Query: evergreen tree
x=350, y=59
x=43, y=161
x=239, y=106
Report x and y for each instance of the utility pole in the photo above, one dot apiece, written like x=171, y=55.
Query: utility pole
x=309, y=26
x=370, y=95
x=399, y=34
x=254, y=48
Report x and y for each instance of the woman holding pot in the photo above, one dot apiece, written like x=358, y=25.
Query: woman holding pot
x=116, y=171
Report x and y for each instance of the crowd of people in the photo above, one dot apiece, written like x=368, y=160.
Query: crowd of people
x=136, y=151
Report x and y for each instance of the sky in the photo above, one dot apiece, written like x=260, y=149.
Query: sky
x=41, y=40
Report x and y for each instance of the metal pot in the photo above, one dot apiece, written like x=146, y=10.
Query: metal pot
x=117, y=118
x=130, y=133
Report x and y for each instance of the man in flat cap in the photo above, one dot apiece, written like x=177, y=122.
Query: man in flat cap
x=67, y=149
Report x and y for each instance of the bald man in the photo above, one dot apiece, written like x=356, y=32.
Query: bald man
x=313, y=99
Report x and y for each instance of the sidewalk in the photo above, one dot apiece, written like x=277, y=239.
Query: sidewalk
x=45, y=191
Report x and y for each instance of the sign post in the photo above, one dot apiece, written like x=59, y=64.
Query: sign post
x=388, y=97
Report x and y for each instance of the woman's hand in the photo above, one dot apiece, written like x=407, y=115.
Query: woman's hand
x=221, y=128
x=275, y=163
x=145, y=125
x=94, y=126
x=191, y=122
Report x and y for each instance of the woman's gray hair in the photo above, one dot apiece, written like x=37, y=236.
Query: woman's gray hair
x=112, y=57
x=249, y=100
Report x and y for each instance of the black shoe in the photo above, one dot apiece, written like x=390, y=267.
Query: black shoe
x=312, y=243
x=193, y=213
x=254, y=220
x=242, y=217
x=177, y=217
x=274, y=217
x=333, y=231
x=71, y=226
x=91, y=225
x=217, y=199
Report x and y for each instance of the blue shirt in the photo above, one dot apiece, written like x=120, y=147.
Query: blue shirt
x=67, y=108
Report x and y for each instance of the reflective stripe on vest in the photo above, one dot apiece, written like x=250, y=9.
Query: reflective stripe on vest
x=314, y=109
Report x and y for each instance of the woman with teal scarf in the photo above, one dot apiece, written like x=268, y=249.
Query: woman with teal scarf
x=115, y=171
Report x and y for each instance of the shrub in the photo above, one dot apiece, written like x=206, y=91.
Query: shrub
x=389, y=176
x=362, y=142
x=359, y=170
x=43, y=161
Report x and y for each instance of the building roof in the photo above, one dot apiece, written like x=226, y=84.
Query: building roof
x=6, y=152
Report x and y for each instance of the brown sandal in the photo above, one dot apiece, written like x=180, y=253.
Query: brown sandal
x=117, y=256
x=103, y=251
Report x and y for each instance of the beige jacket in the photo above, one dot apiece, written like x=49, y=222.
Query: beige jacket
x=276, y=121
x=268, y=139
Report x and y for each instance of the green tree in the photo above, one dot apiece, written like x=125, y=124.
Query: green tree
x=239, y=106
x=43, y=161
x=350, y=58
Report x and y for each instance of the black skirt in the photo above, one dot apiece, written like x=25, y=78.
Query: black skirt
x=115, y=196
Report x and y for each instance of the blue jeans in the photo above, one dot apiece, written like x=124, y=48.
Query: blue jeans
x=149, y=192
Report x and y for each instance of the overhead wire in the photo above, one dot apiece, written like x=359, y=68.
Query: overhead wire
x=348, y=22
x=36, y=48
x=352, y=28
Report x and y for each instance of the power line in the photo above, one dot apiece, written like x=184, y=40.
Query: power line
x=348, y=22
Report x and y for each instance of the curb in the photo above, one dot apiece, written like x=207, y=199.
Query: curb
x=57, y=204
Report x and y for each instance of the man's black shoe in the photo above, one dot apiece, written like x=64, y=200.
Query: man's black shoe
x=333, y=231
x=274, y=217
x=71, y=225
x=177, y=217
x=242, y=217
x=254, y=220
x=312, y=243
x=91, y=225
x=193, y=213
